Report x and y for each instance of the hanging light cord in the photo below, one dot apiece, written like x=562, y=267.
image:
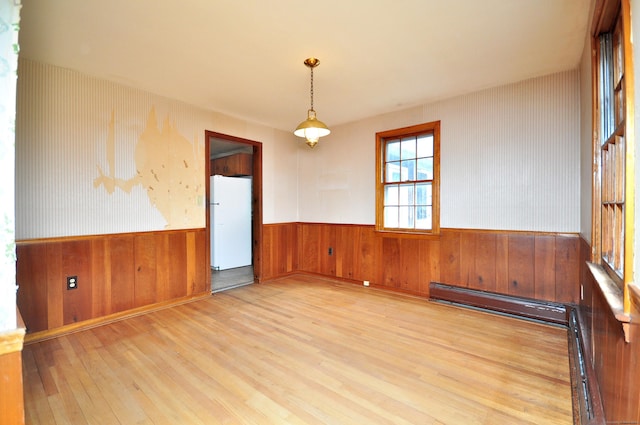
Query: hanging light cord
x=311, y=87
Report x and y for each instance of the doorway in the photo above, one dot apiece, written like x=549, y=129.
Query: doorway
x=237, y=163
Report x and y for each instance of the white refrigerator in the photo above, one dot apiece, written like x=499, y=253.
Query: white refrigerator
x=230, y=210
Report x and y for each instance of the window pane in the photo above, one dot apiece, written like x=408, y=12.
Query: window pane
x=425, y=145
x=408, y=148
x=391, y=195
x=606, y=83
x=423, y=194
x=406, y=194
x=408, y=170
x=423, y=218
x=409, y=187
x=393, y=150
x=425, y=169
x=405, y=219
x=391, y=217
x=393, y=172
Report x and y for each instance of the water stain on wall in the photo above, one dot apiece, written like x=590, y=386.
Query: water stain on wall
x=168, y=167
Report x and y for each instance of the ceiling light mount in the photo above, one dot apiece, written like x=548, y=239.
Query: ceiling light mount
x=312, y=62
x=312, y=128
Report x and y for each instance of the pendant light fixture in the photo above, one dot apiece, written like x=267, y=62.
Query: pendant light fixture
x=312, y=129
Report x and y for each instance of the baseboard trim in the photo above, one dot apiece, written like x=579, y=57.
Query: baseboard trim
x=522, y=307
x=33, y=337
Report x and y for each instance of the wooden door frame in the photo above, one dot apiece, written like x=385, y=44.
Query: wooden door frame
x=256, y=201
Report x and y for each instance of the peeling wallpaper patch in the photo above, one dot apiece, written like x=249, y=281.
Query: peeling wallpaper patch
x=95, y=157
x=167, y=167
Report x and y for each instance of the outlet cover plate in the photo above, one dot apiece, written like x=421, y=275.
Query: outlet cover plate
x=72, y=282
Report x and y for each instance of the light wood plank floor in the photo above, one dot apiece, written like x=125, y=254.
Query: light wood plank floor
x=303, y=350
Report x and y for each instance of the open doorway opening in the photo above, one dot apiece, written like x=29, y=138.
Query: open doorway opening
x=234, y=210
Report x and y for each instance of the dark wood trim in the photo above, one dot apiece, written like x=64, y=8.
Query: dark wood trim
x=445, y=229
x=509, y=232
x=256, y=200
x=23, y=242
x=523, y=307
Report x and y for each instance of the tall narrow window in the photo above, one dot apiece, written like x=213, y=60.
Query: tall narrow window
x=611, y=193
x=408, y=179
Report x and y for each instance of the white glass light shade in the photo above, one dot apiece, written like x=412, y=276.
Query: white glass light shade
x=312, y=129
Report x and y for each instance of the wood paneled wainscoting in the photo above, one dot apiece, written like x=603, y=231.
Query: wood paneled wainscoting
x=616, y=363
x=115, y=274
x=543, y=266
x=279, y=250
x=118, y=273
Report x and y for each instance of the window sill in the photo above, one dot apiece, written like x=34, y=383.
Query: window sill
x=401, y=234
x=613, y=296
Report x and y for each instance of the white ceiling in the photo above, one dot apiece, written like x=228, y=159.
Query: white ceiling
x=245, y=57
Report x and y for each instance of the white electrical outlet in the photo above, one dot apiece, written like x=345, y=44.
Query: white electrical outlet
x=365, y=283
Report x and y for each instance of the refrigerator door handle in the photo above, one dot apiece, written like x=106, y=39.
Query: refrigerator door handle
x=216, y=203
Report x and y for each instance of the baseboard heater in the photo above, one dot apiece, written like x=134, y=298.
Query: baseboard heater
x=587, y=403
x=522, y=307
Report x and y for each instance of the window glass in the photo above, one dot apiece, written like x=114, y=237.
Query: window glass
x=394, y=172
x=425, y=169
x=391, y=195
x=408, y=168
x=425, y=145
x=610, y=183
x=408, y=148
x=393, y=150
x=406, y=194
x=409, y=179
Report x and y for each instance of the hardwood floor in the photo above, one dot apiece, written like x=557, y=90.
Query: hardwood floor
x=303, y=350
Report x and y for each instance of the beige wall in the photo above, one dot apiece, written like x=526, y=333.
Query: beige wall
x=510, y=159
x=279, y=162
x=95, y=157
